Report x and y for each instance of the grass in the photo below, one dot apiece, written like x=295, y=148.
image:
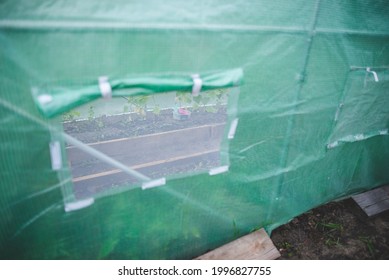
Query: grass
x=331, y=226
x=369, y=244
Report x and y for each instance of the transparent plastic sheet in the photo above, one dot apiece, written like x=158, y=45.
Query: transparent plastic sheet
x=363, y=111
x=150, y=139
x=296, y=58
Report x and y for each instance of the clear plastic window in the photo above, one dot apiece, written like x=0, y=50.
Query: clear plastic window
x=163, y=135
x=364, y=109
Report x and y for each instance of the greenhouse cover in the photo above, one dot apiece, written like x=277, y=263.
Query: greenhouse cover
x=277, y=107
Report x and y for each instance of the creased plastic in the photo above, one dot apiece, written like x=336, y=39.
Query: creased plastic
x=313, y=117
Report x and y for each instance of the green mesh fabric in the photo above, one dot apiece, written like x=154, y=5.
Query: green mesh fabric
x=313, y=119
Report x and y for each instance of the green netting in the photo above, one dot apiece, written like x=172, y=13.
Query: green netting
x=315, y=76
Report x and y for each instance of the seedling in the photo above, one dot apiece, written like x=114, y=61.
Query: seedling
x=332, y=241
x=70, y=116
x=332, y=226
x=369, y=244
x=209, y=101
x=332, y=232
x=91, y=113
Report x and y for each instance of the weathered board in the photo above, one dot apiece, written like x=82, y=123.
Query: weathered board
x=373, y=202
x=254, y=246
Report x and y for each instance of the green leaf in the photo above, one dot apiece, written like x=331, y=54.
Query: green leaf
x=157, y=110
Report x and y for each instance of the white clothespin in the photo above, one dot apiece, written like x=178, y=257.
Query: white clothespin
x=105, y=87
x=45, y=99
x=197, y=84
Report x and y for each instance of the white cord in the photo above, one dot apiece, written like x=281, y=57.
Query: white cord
x=374, y=74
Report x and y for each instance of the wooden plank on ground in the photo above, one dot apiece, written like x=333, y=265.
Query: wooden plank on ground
x=254, y=246
x=373, y=202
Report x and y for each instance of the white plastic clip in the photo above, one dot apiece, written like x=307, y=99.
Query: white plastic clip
x=218, y=170
x=154, y=183
x=105, y=87
x=197, y=84
x=333, y=145
x=45, y=99
x=77, y=205
x=374, y=74
x=233, y=126
x=55, y=155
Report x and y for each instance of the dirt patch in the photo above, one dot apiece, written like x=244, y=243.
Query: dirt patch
x=337, y=230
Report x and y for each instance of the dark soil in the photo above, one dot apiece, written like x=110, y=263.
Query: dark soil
x=337, y=230
x=129, y=125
